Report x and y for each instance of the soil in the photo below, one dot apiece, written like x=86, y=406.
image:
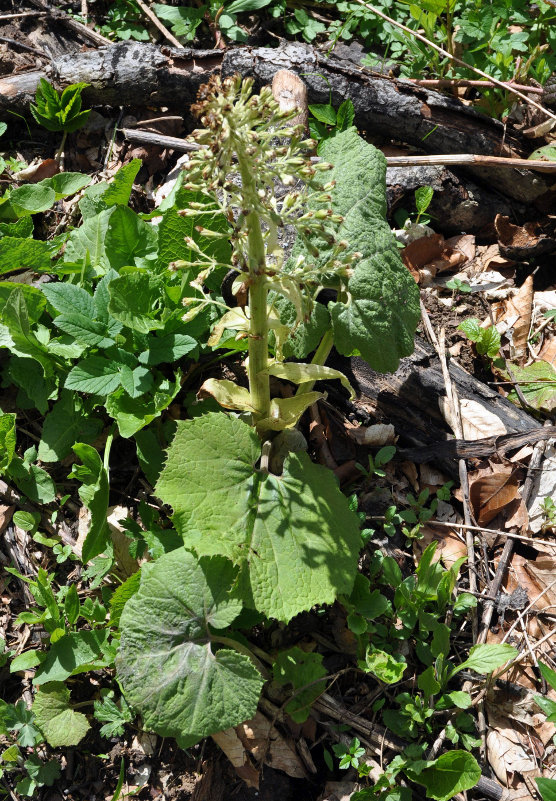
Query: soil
x=91, y=770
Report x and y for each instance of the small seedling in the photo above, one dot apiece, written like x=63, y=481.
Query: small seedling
x=548, y=508
x=326, y=122
x=423, y=198
x=487, y=340
x=376, y=464
x=456, y=285
x=349, y=756
x=59, y=112
x=124, y=21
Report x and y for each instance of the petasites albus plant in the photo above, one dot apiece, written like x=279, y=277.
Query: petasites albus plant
x=277, y=542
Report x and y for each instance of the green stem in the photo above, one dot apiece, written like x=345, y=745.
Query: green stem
x=109, y=441
x=320, y=356
x=58, y=154
x=259, y=381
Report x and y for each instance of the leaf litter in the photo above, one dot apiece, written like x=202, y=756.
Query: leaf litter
x=517, y=741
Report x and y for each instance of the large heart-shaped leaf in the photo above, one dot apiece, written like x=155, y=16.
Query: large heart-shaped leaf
x=293, y=535
x=379, y=316
x=168, y=668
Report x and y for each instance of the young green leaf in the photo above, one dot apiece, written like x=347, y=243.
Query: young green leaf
x=32, y=480
x=129, y=240
x=28, y=659
x=302, y=670
x=538, y=384
x=59, y=112
x=64, y=425
x=40, y=773
x=133, y=299
x=66, y=183
x=184, y=20
x=369, y=604
x=242, y=6
x=547, y=788
x=427, y=682
x=29, y=254
x=31, y=199
x=324, y=112
x=548, y=674
x=168, y=348
x=484, y=658
x=385, y=666
x=487, y=340
x=175, y=231
x=379, y=319
x=74, y=653
x=94, y=492
x=7, y=439
x=121, y=596
x=71, y=604
x=423, y=197
x=114, y=717
x=95, y=375
x=345, y=115
x=88, y=242
x=453, y=772
x=60, y=724
x=132, y=414
x=20, y=719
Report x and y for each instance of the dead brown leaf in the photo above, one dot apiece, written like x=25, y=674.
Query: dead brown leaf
x=257, y=741
x=421, y=252
x=491, y=258
x=338, y=791
x=6, y=514
x=476, y=419
x=375, y=436
x=449, y=259
x=464, y=243
x=524, y=241
x=538, y=578
x=234, y=749
x=267, y=745
x=507, y=756
x=548, y=351
x=121, y=542
x=512, y=704
x=490, y=494
x=450, y=547
x=522, y=305
x=38, y=172
x=517, y=515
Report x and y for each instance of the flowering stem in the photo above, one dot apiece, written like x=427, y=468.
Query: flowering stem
x=259, y=381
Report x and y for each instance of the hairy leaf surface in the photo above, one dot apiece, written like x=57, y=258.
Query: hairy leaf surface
x=379, y=317
x=293, y=535
x=168, y=669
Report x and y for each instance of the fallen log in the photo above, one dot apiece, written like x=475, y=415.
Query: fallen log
x=410, y=399
x=137, y=74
